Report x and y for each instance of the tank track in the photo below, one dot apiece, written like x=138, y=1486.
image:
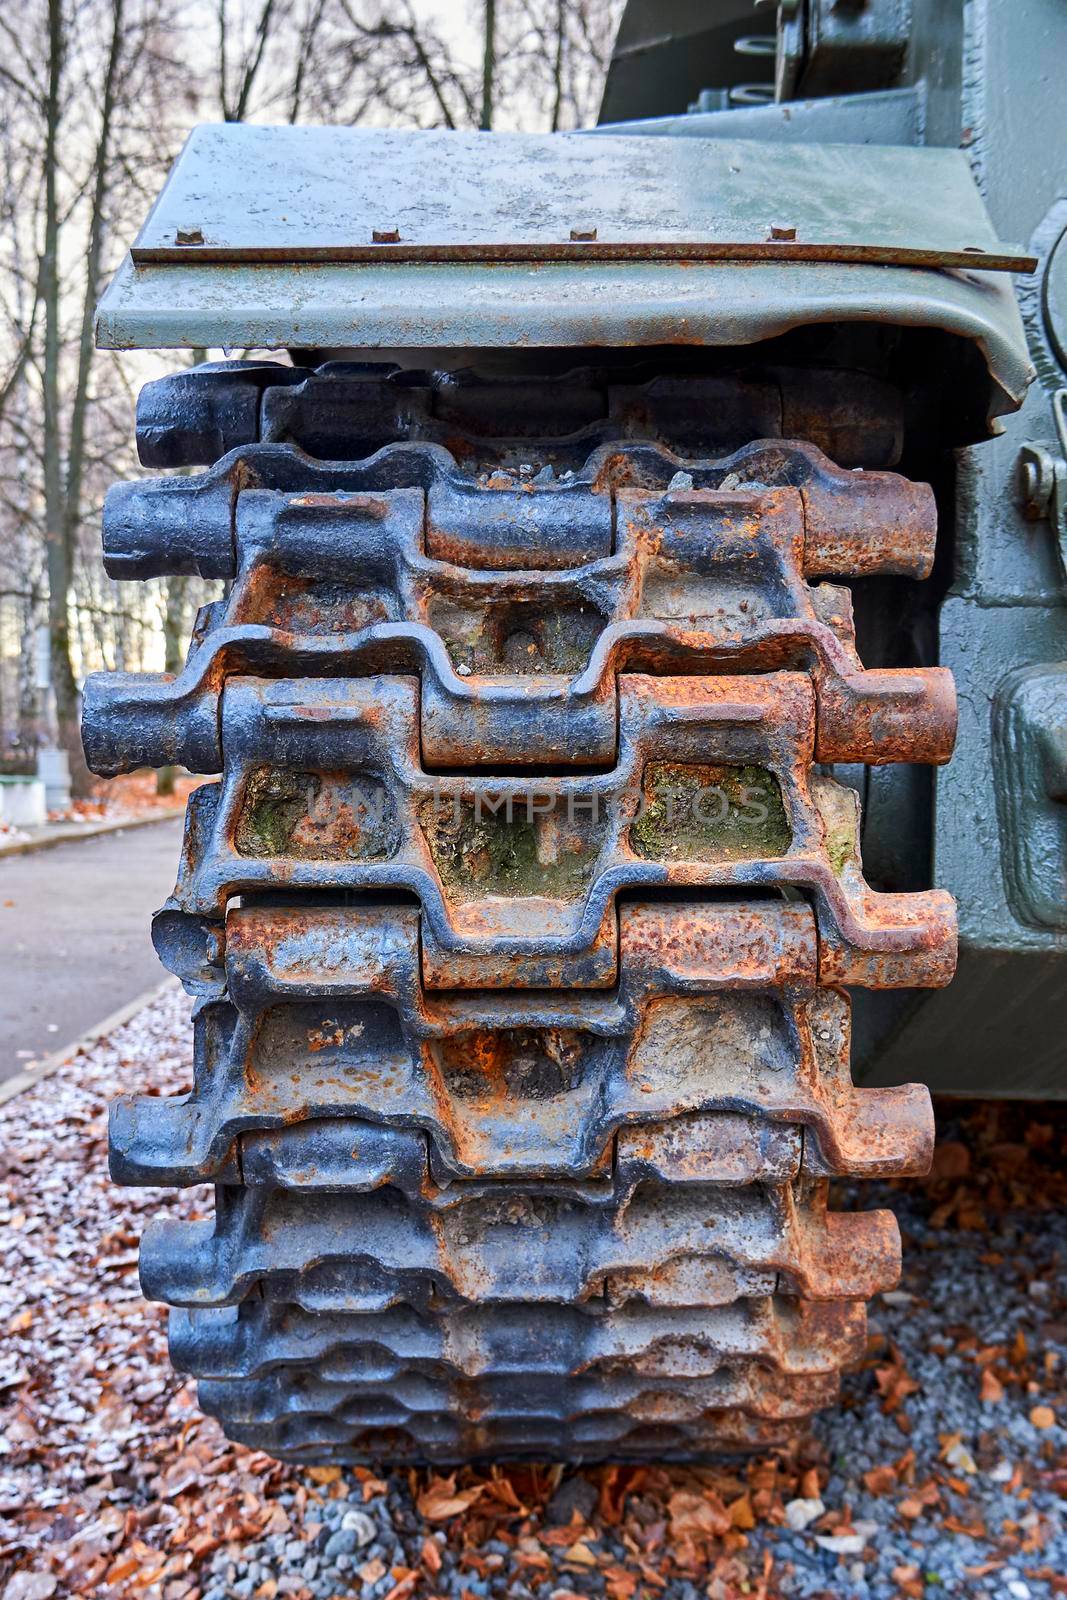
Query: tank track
x=520, y=917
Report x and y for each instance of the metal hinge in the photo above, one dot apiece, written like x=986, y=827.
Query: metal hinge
x=1043, y=480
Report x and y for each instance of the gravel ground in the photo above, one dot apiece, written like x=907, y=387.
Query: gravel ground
x=943, y=1473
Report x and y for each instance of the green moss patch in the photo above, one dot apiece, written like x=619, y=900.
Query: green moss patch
x=313, y=816
x=710, y=813
x=492, y=846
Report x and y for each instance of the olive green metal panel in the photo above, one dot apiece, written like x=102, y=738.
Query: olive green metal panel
x=464, y=306
x=247, y=195
x=606, y=242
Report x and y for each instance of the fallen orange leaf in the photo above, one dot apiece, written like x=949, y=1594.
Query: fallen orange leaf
x=579, y=1555
x=697, y=1516
x=122, y=1569
x=431, y=1555
x=951, y=1160
x=992, y=1390
x=404, y=1587
x=741, y=1513
x=809, y=1485
x=441, y=1500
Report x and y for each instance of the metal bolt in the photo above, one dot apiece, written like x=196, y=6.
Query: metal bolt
x=586, y=234
x=1036, y=481
x=386, y=236
x=188, y=236
x=783, y=233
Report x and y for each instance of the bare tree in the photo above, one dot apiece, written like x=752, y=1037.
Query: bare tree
x=82, y=139
x=95, y=99
x=63, y=487
x=404, y=70
x=552, y=57
x=235, y=99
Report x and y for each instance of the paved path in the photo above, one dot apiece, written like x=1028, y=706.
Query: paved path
x=32, y=840
x=74, y=935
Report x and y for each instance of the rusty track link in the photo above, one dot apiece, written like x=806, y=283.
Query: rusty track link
x=715, y=1038
x=520, y=913
x=351, y=409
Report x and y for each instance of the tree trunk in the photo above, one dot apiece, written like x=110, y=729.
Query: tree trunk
x=557, y=64
x=488, y=65
x=29, y=717
x=63, y=490
x=174, y=621
x=57, y=541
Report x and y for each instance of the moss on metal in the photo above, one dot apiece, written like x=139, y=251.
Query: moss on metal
x=514, y=851
x=311, y=816
x=710, y=813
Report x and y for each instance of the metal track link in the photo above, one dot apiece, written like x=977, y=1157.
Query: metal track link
x=520, y=915
x=351, y=409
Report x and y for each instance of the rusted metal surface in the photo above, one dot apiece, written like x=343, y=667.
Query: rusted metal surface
x=323, y=789
x=346, y=410
x=529, y=521
x=716, y=1059
x=631, y=1377
x=517, y=602
x=366, y=1252
x=521, y=914
x=260, y=1336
